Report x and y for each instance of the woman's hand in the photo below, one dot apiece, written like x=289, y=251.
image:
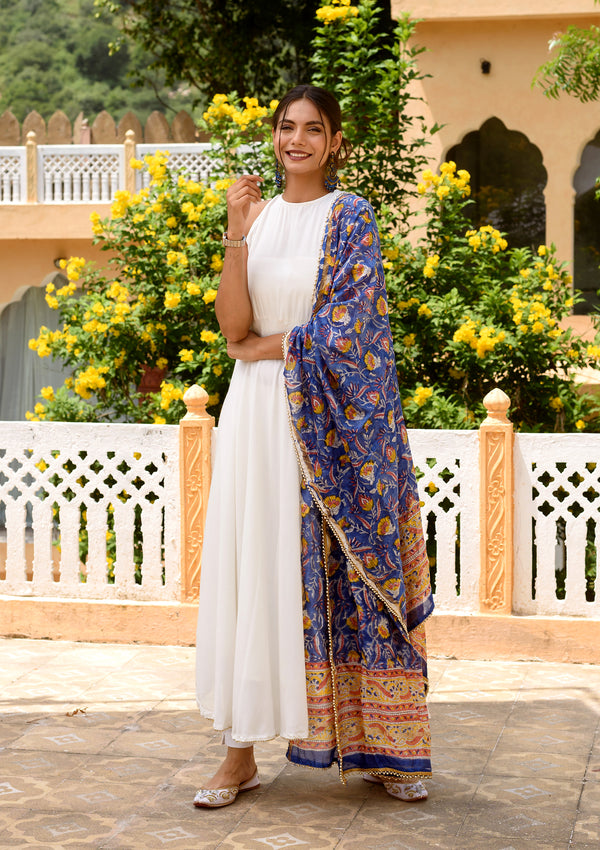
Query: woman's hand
x=244, y=192
x=255, y=347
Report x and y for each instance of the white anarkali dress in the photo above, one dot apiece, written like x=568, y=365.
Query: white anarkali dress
x=250, y=653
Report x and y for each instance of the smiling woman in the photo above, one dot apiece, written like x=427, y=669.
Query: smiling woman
x=315, y=577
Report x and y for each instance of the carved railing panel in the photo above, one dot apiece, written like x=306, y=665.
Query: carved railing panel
x=89, y=511
x=557, y=524
x=447, y=469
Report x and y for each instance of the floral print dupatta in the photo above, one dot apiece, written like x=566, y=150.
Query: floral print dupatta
x=364, y=563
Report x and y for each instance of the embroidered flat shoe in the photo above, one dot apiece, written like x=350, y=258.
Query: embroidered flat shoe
x=410, y=792
x=213, y=798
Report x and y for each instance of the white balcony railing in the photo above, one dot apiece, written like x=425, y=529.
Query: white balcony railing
x=81, y=174
x=93, y=512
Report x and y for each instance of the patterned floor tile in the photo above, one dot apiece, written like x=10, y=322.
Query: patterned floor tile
x=65, y=738
x=281, y=835
x=510, y=743
x=506, y=761
x=160, y=834
x=66, y=830
x=146, y=771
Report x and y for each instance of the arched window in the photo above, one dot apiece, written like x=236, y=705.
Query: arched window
x=507, y=182
x=22, y=372
x=586, y=246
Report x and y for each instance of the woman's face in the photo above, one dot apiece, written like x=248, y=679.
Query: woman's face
x=303, y=139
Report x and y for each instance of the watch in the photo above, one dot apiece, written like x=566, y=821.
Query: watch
x=233, y=243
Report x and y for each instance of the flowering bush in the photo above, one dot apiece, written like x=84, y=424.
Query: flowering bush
x=152, y=313
x=468, y=313
x=373, y=74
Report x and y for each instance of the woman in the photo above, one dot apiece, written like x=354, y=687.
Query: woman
x=315, y=580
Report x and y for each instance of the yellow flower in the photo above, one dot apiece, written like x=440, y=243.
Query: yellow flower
x=556, y=403
x=580, y=424
x=208, y=336
x=216, y=263
x=193, y=289
x=421, y=395
x=136, y=163
x=409, y=340
x=186, y=355
x=172, y=299
x=47, y=393
x=162, y=363
x=542, y=250
x=159, y=420
x=424, y=311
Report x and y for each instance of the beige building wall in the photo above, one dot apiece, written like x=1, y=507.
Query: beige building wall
x=33, y=236
x=513, y=36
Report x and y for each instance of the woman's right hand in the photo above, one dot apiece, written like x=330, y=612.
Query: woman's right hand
x=240, y=195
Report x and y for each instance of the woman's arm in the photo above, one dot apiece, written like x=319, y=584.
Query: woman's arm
x=232, y=306
x=255, y=347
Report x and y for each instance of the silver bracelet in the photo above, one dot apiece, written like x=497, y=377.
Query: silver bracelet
x=233, y=243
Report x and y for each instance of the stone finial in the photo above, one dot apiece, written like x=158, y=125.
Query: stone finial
x=196, y=399
x=496, y=402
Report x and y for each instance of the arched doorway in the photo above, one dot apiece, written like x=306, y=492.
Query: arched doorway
x=22, y=372
x=586, y=242
x=507, y=182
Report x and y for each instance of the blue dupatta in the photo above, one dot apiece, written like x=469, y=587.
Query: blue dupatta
x=365, y=567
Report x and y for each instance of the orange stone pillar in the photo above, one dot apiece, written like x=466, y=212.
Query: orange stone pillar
x=496, y=495
x=195, y=431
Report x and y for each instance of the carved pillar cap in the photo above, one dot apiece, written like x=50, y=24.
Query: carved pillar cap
x=496, y=403
x=31, y=137
x=195, y=399
x=130, y=135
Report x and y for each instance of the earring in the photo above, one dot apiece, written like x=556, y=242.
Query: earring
x=278, y=174
x=332, y=181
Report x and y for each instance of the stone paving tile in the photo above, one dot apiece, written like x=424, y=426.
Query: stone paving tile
x=516, y=755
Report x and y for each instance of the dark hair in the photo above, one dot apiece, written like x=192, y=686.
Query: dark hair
x=327, y=105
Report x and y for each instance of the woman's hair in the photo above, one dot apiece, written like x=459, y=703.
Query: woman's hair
x=328, y=108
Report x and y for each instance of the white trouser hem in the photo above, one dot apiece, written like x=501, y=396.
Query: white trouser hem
x=228, y=740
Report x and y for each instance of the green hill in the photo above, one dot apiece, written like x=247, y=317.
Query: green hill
x=54, y=54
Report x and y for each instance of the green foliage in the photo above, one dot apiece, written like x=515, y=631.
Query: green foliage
x=54, y=54
x=371, y=73
x=149, y=314
x=259, y=48
x=575, y=66
x=468, y=313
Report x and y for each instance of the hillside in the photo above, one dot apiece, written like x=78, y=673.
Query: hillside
x=54, y=55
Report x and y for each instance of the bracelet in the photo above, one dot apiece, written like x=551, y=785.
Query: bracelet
x=285, y=339
x=233, y=243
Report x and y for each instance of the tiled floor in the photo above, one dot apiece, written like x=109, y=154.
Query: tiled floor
x=102, y=747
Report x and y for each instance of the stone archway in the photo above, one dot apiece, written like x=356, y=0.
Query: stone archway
x=586, y=240
x=507, y=180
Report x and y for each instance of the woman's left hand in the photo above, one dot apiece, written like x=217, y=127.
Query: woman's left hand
x=254, y=347
x=245, y=349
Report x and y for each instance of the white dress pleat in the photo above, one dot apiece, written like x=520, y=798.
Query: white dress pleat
x=250, y=651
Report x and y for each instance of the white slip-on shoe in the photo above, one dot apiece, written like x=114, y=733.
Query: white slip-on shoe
x=410, y=792
x=214, y=798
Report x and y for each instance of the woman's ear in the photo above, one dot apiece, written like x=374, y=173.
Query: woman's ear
x=336, y=141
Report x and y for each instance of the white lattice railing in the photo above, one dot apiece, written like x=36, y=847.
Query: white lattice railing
x=93, y=511
x=89, y=511
x=557, y=524
x=64, y=174
x=79, y=173
x=192, y=159
x=445, y=463
x=13, y=175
